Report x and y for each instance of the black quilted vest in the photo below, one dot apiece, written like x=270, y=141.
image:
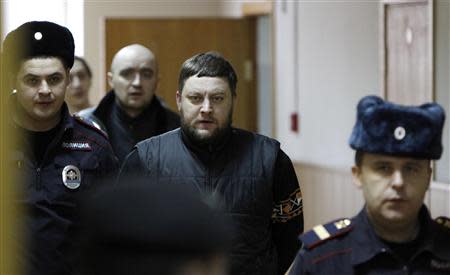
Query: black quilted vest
x=239, y=173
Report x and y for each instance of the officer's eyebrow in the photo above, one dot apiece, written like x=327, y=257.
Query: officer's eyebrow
x=41, y=75
x=381, y=162
x=30, y=75
x=56, y=74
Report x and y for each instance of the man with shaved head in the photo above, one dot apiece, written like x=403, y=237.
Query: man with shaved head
x=131, y=112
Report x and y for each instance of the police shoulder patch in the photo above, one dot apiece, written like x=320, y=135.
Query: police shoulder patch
x=90, y=125
x=444, y=221
x=321, y=233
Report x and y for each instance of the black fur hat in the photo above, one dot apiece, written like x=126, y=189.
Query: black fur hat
x=38, y=38
x=386, y=128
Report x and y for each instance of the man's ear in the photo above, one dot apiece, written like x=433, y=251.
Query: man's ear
x=178, y=98
x=356, y=176
x=110, y=77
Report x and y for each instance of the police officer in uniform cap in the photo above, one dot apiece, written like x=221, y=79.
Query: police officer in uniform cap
x=393, y=233
x=58, y=158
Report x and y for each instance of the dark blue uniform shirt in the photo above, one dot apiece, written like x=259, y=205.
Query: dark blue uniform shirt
x=357, y=250
x=77, y=158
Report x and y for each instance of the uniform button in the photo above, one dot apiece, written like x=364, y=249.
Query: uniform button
x=405, y=269
x=383, y=250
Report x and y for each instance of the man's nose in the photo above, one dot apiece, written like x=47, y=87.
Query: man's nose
x=44, y=89
x=206, y=106
x=397, y=179
x=136, y=80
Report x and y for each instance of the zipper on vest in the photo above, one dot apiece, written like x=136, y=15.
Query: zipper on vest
x=209, y=187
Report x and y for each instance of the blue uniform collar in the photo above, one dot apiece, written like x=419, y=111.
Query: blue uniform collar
x=366, y=244
x=67, y=119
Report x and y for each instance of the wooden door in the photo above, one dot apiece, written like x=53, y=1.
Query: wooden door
x=407, y=51
x=175, y=40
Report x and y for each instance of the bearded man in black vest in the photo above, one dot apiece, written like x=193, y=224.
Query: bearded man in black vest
x=246, y=174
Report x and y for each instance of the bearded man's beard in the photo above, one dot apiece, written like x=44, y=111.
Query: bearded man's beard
x=201, y=140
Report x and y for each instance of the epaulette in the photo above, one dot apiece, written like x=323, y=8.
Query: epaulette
x=444, y=221
x=322, y=233
x=90, y=124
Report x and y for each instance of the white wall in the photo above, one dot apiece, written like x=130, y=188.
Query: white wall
x=338, y=64
x=265, y=72
x=63, y=12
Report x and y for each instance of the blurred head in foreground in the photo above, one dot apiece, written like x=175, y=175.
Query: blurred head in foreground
x=152, y=229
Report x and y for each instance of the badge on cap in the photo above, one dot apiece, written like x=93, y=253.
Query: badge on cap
x=71, y=177
x=399, y=133
x=38, y=35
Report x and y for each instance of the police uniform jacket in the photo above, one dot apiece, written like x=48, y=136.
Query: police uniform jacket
x=252, y=179
x=78, y=158
x=354, y=248
x=123, y=131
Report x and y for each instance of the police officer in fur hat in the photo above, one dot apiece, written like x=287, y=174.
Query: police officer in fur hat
x=394, y=232
x=57, y=158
